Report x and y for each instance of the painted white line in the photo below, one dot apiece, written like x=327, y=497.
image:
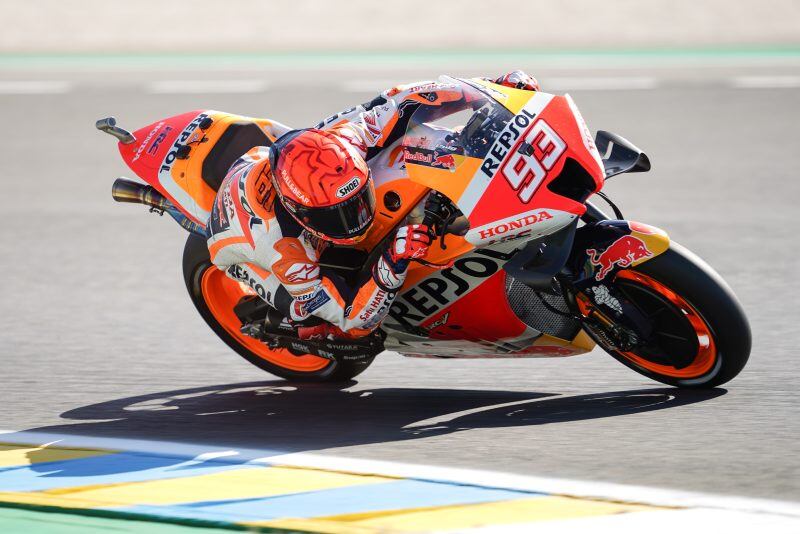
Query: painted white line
x=168, y=87
x=766, y=82
x=657, y=522
x=34, y=87
x=573, y=488
x=367, y=86
x=599, y=83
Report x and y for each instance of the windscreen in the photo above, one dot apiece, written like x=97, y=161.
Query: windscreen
x=466, y=125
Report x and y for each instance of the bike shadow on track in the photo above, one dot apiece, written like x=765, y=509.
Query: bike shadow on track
x=279, y=416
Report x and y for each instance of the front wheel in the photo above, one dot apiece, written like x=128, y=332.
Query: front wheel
x=698, y=335
x=214, y=295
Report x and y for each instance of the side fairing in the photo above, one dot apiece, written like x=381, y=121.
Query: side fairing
x=517, y=174
x=532, y=179
x=474, y=309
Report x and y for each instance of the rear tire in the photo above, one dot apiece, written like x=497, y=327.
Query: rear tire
x=699, y=286
x=201, y=275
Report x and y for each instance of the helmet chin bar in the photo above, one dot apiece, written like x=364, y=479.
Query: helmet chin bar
x=344, y=223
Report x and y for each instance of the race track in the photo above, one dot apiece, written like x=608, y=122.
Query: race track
x=99, y=337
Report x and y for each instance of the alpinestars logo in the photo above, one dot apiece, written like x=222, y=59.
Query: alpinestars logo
x=385, y=276
x=301, y=272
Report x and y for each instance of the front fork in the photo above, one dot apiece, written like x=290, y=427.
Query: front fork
x=606, y=314
x=601, y=249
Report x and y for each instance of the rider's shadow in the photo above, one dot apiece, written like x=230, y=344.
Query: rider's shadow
x=291, y=418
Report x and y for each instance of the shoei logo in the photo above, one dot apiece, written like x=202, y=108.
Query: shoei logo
x=348, y=188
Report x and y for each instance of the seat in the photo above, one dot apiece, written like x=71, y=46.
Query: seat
x=236, y=140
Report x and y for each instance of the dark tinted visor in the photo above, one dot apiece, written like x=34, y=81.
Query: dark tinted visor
x=349, y=219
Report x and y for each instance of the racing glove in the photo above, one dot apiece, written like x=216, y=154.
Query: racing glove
x=518, y=80
x=411, y=242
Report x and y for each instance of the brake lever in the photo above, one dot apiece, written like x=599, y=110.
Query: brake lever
x=435, y=205
x=437, y=266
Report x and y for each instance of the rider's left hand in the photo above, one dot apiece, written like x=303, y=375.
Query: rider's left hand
x=410, y=243
x=518, y=80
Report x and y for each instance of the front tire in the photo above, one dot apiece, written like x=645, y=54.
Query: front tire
x=214, y=295
x=700, y=295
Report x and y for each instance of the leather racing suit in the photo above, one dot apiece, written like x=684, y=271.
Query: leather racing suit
x=253, y=238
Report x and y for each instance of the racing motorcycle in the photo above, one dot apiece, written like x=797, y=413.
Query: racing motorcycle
x=504, y=177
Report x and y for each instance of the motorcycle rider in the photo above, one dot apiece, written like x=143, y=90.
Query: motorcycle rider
x=279, y=207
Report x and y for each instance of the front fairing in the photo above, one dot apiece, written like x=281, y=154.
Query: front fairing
x=518, y=164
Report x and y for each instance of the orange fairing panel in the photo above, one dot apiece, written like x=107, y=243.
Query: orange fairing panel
x=409, y=194
x=187, y=173
x=450, y=182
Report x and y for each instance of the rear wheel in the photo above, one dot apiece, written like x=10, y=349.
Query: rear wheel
x=698, y=335
x=214, y=295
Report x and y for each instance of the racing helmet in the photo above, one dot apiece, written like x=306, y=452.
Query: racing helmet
x=324, y=183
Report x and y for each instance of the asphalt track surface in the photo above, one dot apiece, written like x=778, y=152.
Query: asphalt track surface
x=99, y=337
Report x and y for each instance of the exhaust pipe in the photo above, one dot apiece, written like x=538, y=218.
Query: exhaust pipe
x=125, y=190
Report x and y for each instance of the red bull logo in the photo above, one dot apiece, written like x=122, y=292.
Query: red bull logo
x=429, y=158
x=623, y=253
x=445, y=160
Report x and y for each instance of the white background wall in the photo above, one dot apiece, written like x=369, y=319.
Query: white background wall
x=413, y=25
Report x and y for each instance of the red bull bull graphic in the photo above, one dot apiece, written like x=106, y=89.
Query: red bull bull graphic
x=444, y=160
x=622, y=253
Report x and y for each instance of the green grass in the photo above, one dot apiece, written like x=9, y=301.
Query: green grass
x=277, y=59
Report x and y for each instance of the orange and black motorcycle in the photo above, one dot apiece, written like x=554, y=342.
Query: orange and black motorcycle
x=538, y=270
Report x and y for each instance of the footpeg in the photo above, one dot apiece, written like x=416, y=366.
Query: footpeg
x=254, y=330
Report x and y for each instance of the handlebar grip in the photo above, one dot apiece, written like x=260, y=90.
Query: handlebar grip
x=432, y=207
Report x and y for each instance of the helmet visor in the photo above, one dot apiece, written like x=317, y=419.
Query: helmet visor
x=349, y=219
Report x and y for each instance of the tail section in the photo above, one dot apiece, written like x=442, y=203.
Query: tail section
x=158, y=156
x=185, y=157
